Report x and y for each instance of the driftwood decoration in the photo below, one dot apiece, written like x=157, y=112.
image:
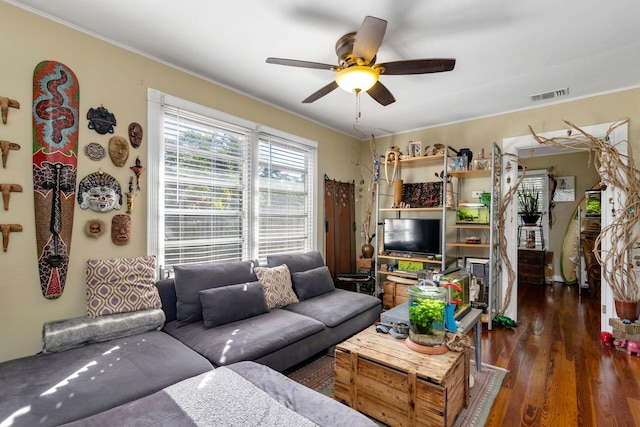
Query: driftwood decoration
x=5, y=146
x=5, y=104
x=6, y=190
x=6, y=229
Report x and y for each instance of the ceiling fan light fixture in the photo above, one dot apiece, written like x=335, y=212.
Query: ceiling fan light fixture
x=357, y=78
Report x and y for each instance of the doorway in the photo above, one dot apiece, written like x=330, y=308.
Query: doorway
x=523, y=144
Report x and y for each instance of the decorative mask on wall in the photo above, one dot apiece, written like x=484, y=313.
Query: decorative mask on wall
x=94, y=151
x=99, y=192
x=94, y=228
x=101, y=120
x=135, y=134
x=118, y=150
x=121, y=229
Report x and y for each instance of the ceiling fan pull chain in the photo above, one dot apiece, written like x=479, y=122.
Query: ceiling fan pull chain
x=358, y=114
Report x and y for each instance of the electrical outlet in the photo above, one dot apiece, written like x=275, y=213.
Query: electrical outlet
x=476, y=194
x=604, y=309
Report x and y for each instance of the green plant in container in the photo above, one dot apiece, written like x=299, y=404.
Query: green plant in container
x=426, y=315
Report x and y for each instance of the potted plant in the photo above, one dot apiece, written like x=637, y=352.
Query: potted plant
x=528, y=200
x=426, y=315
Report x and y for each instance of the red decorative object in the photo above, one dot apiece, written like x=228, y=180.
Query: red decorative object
x=606, y=339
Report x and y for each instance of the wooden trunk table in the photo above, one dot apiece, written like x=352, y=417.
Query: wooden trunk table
x=378, y=375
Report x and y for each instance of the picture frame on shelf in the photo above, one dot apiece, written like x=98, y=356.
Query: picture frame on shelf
x=481, y=164
x=415, y=149
x=459, y=163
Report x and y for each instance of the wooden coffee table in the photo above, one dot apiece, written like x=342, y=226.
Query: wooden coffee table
x=378, y=375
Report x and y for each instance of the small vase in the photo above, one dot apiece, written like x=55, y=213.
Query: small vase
x=628, y=310
x=367, y=250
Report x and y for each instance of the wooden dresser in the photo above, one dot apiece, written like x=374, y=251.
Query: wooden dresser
x=531, y=266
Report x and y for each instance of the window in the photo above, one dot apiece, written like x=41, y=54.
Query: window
x=224, y=189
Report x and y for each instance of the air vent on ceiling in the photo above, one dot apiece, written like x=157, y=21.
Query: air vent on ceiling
x=549, y=95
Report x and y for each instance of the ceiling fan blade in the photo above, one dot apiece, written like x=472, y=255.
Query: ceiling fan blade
x=297, y=63
x=381, y=94
x=369, y=38
x=417, y=66
x=321, y=92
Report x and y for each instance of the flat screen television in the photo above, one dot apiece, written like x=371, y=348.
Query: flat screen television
x=413, y=235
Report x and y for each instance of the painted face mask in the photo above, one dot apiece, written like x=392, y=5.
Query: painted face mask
x=121, y=229
x=99, y=192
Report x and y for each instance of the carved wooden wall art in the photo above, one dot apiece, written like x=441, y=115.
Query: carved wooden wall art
x=135, y=134
x=6, y=190
x=6, y=146
x=6, y=229
x=55, y=117
x=5, y=104
x=101, y=120
x=137, y=169
x=118, y=150
x=121, y=229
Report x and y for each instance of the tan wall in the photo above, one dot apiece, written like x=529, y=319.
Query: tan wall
x=117, y=79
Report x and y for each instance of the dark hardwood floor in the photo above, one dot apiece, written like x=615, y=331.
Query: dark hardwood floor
x=558, y=374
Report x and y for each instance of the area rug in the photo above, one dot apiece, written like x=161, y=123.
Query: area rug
x=317, y=374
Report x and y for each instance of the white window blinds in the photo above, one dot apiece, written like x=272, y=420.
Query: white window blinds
x=206, y=188
x=285, y=186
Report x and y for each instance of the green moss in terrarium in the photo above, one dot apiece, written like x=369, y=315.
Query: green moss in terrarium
x=593, y=207
x=464, y=215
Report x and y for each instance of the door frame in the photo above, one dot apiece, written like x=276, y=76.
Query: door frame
x=510, y=148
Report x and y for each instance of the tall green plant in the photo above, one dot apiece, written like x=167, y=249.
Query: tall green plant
x=528, y=200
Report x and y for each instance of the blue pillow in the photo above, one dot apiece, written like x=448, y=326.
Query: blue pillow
x=233, y=302
x=311, y=283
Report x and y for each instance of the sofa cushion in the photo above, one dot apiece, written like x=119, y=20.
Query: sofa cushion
x=311, y=283
x=297, y=262
x=191, y=279
x=121, y=285
x=336, y=307
x=58, y=388
x=278, y=289
x=247, y=339
x=231, y=303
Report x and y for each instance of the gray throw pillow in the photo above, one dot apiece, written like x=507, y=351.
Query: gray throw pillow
x=311, y=283
x=191, y=279
x=297, y=262
x=230, y=303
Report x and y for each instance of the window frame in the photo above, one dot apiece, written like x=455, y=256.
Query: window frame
x=156, y=101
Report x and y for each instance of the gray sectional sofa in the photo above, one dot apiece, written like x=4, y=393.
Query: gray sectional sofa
x=206, y=346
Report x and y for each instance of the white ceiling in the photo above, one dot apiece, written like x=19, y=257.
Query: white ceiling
x=505, y=50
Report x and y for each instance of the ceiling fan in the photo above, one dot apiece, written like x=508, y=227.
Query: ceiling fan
x=357, y=70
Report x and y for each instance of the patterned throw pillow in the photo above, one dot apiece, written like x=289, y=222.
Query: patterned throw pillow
x=121, y=285
x=278, y=290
